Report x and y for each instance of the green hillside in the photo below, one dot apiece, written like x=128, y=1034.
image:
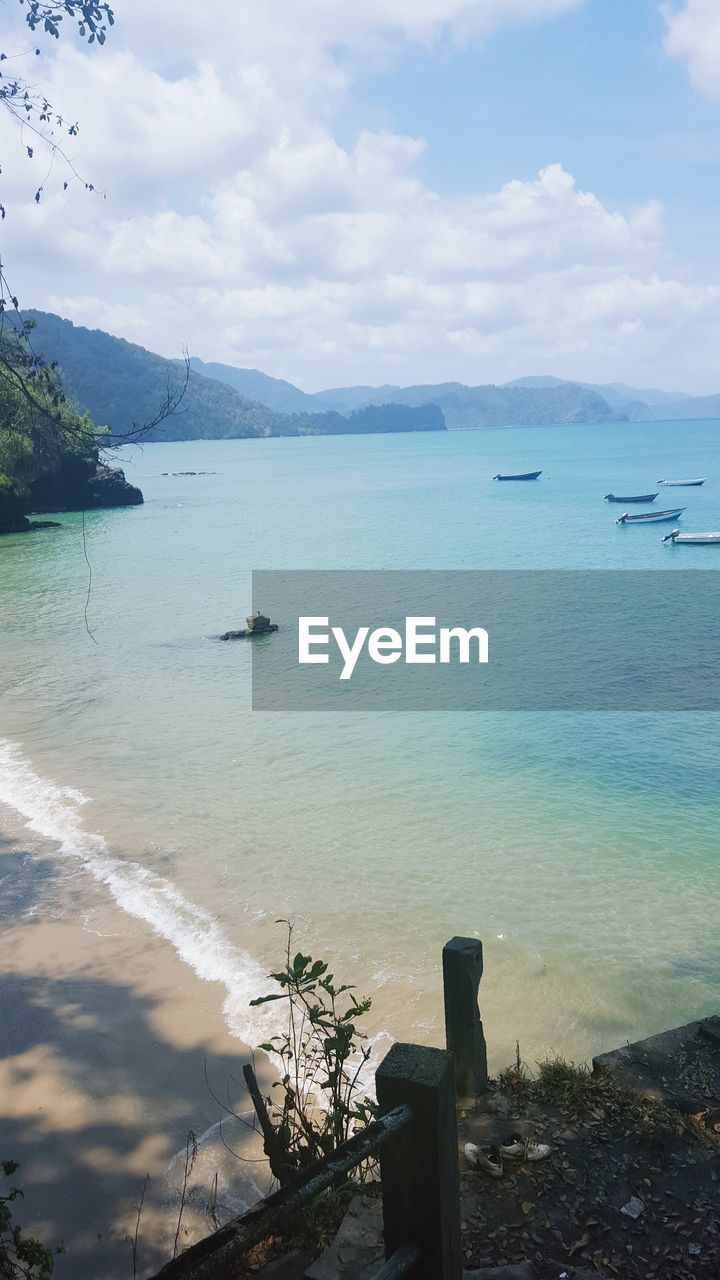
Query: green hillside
x=121, y=386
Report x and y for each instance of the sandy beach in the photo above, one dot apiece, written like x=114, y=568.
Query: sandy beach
x=106, y=1040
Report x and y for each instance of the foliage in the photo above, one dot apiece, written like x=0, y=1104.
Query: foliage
x=372, y=419
x=575, y=1092
x=27, y=106
x=44, y=442
x=40, y=124
x=21, y=1256
x=39, y=429
x=321, y=1053
x=89, y=15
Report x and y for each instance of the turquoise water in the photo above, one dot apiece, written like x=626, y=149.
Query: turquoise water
x=582, y=849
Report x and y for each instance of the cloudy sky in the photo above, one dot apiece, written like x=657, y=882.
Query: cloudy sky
x=345, y=191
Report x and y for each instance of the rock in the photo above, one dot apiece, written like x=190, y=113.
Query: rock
x=109, y=488
x=265, y=628
x=16, y=524
x=43, y=524
x=12, y=510
x=82, y=484
x=258, y=624
x=357, y=1252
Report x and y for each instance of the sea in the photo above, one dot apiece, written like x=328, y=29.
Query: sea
x=581, y=848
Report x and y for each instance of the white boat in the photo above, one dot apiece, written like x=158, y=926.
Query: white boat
x=694, y=539
x=681, y=484
x=650, y=517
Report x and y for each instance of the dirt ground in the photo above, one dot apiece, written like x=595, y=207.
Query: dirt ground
x=564, y=1214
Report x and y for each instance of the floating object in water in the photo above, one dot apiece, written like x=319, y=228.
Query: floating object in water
x=694, y=540
x=636, y=497
x=649, y=517
x=526, y=475
x=681, y=484
x=258, y=624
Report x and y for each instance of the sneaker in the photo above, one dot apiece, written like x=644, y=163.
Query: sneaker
x=518, y=1148
x=488, y=1159
x=513, y=1147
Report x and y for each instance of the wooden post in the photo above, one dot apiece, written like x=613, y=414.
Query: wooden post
x=462, y=971
x=419, y=1168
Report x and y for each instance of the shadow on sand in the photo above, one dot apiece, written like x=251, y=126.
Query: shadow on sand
x=93, y=1096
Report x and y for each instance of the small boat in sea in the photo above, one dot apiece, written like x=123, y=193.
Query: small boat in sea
x=636, y=497
x=526, y=475
x=681, y=484
x=694, y=539
x=649, y=517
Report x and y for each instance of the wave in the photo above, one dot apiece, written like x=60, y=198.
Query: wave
x=55, y=813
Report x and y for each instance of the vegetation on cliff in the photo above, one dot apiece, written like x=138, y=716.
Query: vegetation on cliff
x=49, y=454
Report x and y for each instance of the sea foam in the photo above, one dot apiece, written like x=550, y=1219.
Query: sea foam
x=55, y=813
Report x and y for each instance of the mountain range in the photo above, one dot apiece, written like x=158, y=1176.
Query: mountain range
x=121, y=384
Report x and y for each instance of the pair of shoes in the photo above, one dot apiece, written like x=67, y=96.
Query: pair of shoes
x=490, y=1159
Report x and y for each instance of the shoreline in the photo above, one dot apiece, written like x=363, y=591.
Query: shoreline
x=102, y=1078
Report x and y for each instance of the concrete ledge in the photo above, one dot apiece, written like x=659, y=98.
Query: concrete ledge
x=680, y=1067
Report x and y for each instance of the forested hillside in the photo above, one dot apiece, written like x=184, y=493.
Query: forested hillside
x=121, y=386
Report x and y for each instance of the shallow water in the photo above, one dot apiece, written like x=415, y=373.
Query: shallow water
x=582, y=849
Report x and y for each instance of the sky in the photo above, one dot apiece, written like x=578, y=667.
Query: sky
x=371, y=191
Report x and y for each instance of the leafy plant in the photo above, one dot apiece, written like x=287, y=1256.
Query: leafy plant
x=21, y=1256
x=318, y=1102
x=575, y=1091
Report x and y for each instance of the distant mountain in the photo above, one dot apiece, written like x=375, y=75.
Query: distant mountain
x=122, y=385
x=651, y=396
x=345, y=399
x=251, y=383
x=491, y=406
x=638, y=404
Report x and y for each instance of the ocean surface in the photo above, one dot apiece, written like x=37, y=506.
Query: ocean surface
x=582, y=849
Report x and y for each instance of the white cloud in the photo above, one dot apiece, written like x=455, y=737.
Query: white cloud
x=693, y=33
x=237, y=223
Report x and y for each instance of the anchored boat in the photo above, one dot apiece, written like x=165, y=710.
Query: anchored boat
x=526, y=475
x=650, y=517
x=681, y=484
x=694, y=539
x=636, y=497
